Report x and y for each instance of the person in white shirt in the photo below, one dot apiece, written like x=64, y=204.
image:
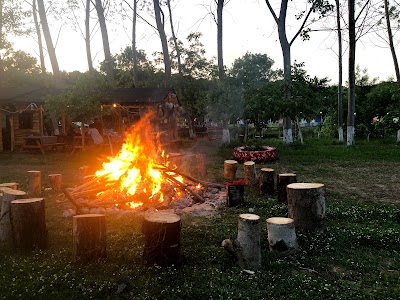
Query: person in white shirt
x=95, y=135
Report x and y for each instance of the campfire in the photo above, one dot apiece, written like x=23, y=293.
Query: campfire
x=140, y=175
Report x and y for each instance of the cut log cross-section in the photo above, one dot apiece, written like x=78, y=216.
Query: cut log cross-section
x=230, y=167
x=89, y=238
x=162, y=233
x=29, y=224
x=249, y=240
x=55, y=181
x=282, y=181
x=11, y=185
x=266, y=181
x=306, y=205
x=249, y=173
x=5, y=217
x=34, y=183
x=282, y=235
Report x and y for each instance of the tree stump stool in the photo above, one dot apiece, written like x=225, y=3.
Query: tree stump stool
x=249, y=173
x=230, y=167
x=55, y=181
x=306, y=205
x=282, y=181
x=162, y=233
x=5, y=216
x=11, y=185
x=249, y=239
x=266, y=181
x=89, y=238
x=282, y=235
x=34, y=183
x=28, y=220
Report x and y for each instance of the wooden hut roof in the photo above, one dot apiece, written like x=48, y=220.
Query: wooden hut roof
x=137, y=96
x=25, y=94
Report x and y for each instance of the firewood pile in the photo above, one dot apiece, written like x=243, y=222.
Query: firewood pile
x=99, y=193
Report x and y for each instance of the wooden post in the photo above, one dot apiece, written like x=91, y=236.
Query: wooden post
x=266, y=181
x=249, y=239
x=282, y=235
x=29, y=224
x=249, y=173
x=162, y=233
x=55, y=181
x=34, y=183
x=282, y=181
x=306, y=205
x=230, y=167
x=89, y=238
x=201, y=165
x=12, y=133
x=83, y=172
x=5, y=216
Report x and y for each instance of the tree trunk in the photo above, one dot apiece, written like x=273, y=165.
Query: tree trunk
x=391, y=44
x=89, y=238
x=34, y=183
x=162, y=233
x=340, y=83
x=5, y=216
x=221, y=71
x=164, y=43
x=266, y=181
x=352, y=76
x=230, y=167
x=87, y=36
x=39, y=36
x=1, y=45
x=49, y=43
x=249, y=173
x=249, y=239
x=28, y=217
x=282, y=235
x=283, y=180
x=108, y=62
x=306, y=205
x=134, y=52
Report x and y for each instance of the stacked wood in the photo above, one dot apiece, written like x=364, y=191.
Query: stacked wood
x=306, y=205
x=55, y=181
x=230, y=167
x=29, y=224
x=34, y=183
x=162, y=233
x=89, y=238
x=249, y=173
x=249, y=240
x=282, y=181
x=201, y=165
x=282, y=235
x=266, y=181
x=5, y=216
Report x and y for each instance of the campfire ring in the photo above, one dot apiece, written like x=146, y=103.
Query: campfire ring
x=259, y=156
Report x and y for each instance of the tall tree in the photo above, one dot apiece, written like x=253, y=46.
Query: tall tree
x=391, y=43
x=321, y=6
x=340, y=79
x=108, y=62
x=39, y=37
x=87, y=37
x=160, y=21
x=352, y=74
x=134, y=50
x=220, y=7
x=49, y=42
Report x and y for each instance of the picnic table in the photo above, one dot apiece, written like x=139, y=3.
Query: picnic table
x=41, y=143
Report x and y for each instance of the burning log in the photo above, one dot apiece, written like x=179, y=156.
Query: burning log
x=162, y=233
x=184, y=187
x=74, y=202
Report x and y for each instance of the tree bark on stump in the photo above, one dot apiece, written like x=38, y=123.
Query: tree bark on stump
x=55, y=181
x=249, y=239
x=34, y=183
x=5, y=216
x=28, y=220
x=162, y=233
x=306, y=205
x=249, y=173
x=201, y=165
x=266, y=181
x=89, y=238
x=282, y=181
x=282, y=235
x=230, y=167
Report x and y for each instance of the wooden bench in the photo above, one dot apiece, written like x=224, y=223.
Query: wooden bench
x=41, y=143
x=214, y=133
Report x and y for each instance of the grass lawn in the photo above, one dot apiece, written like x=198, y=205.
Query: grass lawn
x=357, y=257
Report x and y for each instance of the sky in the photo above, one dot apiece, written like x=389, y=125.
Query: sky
x=247, y=27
